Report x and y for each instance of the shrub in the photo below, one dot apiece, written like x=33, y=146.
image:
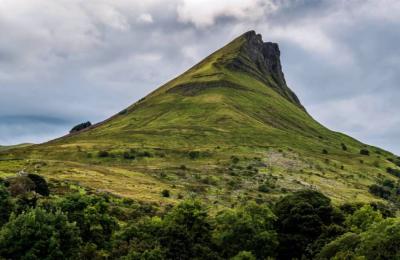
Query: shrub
x=165, y=193
x=244, y=255
x=41, y=186
x=344, y=147
x=103, y=154
x=21, y=185
x=38, y=234
x=394, y=172
x=380, y=191
x=234, y=159
x=263, y=188
x=128, y=156
x=80, y=127
x=324, y=151
x=6, y=205
x=194, y=154
x=364, y=152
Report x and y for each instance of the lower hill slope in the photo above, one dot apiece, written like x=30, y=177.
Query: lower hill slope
x=228, y=129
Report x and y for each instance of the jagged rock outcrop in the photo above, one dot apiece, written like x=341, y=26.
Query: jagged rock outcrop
x=262, y=60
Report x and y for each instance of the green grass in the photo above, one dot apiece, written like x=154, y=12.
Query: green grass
x=219, y=112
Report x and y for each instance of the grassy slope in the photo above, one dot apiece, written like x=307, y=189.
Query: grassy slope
x=240, y=116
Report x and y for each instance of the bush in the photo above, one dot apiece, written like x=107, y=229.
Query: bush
x=165, y=193
x=6, y=205
x=324, y=151
x=21, y=185
x=344, y=147
x=194, y=154
x=80, y=127
x=38, y=234
x=263, y=188
x=103, y=154
x=394, y=172
x=363, y=218
x=364, y=152
x=41, y=186
x=128, y=156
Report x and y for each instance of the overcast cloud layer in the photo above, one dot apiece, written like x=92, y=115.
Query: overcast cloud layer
x=67, y=61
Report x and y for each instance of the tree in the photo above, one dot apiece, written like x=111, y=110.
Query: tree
x=363, y=218
x=139, y=239
x=302, y=218
x=248, y=228
x=342, y=246
x=186, y=232
x=38, y=234
x=381, y=240
x=91, y=214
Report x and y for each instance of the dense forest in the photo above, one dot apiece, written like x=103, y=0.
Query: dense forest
x=57, y=220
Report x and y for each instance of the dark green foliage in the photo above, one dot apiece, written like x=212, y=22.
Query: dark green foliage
x=127, y=155
x=194, y=154
x=244, y=255
x=139, y=238
x=234, y=159
x=324, y=151
x=380, y=241
x=38, y=234
x=344, y=147
x=80, y=127
x=394, y=172
x=343, y=247
x=302, y=218
x=41, y=186
x=304, y=225
x=186, y=232
x=103, y=154
x=166, y=193
x=364, y=152
x=263, y=188
x=380, y=191
x=6, y=205
x=91, y=215
x=250, y=228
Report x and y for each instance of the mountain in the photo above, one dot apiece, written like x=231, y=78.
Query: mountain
x=226, y=129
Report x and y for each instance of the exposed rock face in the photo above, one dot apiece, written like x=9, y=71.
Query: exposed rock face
x=262, y=60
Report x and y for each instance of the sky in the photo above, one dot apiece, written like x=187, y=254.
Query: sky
x=64, y=62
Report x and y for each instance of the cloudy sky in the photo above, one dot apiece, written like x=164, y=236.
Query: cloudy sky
x=67, y=61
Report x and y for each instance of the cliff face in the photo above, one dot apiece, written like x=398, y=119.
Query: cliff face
x=262, y=60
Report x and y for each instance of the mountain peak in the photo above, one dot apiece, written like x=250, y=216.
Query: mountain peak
x=262, y=60
x=266, y=55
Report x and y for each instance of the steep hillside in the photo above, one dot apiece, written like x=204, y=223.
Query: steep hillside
x=226, y=129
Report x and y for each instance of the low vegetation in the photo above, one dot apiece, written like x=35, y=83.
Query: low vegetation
x=79, y=223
